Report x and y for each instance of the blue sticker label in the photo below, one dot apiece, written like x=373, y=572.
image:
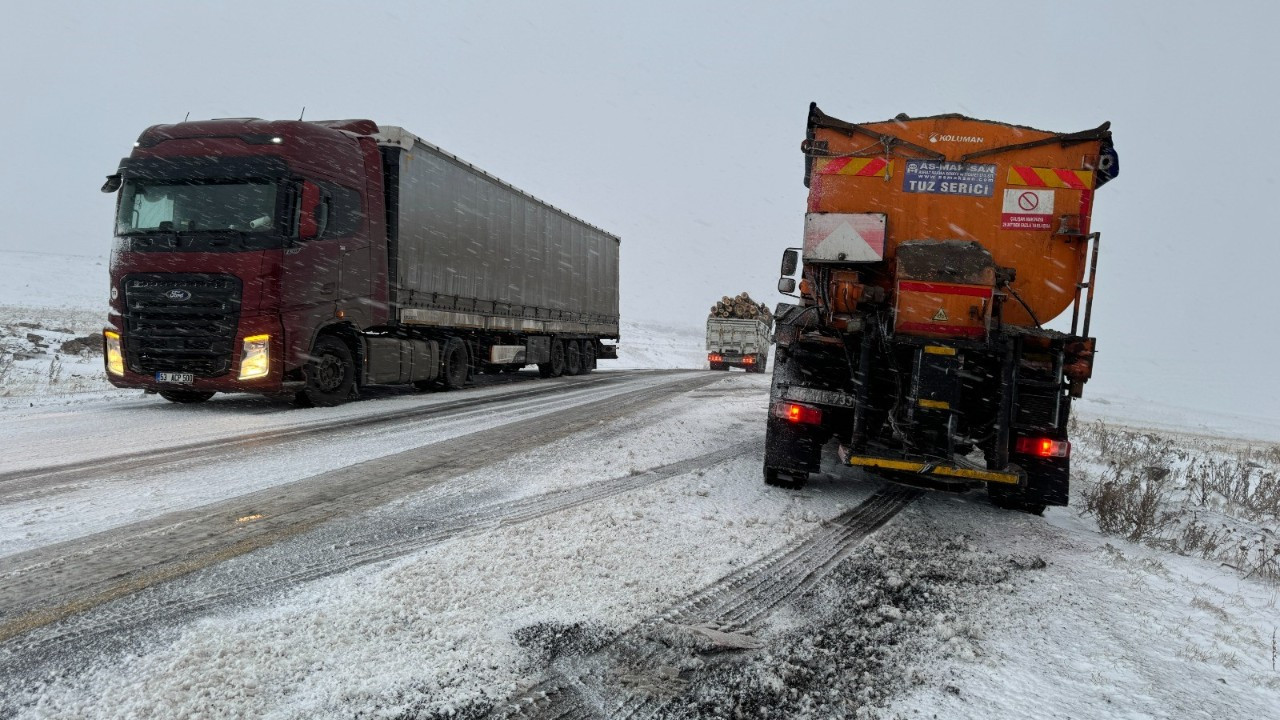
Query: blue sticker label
x=949, y=178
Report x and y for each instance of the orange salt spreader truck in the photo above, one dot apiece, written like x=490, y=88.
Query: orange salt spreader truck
x=935, y=251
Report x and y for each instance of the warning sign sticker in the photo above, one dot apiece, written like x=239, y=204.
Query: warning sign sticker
x=1027, y=210
x=949, y=178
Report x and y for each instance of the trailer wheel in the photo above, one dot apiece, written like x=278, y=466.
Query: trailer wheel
x=572, y=358
x=454, y=364
x=588, y=356
x=554, y=367
x=717, y=366
x=186, y=397
x=330, y=373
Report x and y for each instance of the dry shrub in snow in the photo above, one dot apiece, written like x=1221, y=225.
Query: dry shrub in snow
x=1132, y=504
x=1186, y=495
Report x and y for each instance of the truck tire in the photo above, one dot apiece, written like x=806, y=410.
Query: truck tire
x=330, y=374
x=762, y=362
x=588, y=356
x=1006, y=500
x=572, y=358
x=555, y=366
x=186, y=397
x=786, y=479
x=718, y=366
x=454, y=364
x=1031, y=498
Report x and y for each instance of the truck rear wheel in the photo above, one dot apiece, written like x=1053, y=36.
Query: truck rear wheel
x=330, y=373
x=454, y=364
x=186, y=397
x=787, y=479
x=572, y=358
x=554, y=367
x=588, y=356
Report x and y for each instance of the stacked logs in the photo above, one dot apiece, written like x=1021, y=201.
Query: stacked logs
x=741, y=307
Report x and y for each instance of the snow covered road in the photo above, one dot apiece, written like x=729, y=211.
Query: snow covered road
x=600, y=546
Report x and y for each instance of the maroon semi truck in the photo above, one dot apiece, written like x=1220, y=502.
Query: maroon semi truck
x=308, y=259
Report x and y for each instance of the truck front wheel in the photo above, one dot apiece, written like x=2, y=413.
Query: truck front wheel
x=330, y=373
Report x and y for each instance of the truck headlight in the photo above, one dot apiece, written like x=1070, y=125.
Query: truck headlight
x=255, y=358
x=115, y=356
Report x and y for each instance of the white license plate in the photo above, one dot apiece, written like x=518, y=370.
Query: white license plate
x=179, y=378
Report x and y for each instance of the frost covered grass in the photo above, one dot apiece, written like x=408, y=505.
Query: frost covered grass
x=50, y=355
x=1213, y=499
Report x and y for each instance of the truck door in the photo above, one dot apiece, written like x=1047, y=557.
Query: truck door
x=309, y=282
x=347, y=228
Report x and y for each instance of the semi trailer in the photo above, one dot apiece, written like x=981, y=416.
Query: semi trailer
x=936, y=251
x=310, y=259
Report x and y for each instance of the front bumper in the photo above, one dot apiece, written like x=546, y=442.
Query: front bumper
x=271, y=383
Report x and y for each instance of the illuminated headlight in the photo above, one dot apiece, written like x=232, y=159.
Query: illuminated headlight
x=115, y=356
x=255, y=359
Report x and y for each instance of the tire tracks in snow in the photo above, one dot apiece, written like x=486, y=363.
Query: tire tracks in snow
x=25, y=483
x=44, y=586
x=638, y=673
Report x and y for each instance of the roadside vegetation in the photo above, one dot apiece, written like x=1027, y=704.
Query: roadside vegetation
x=43, y=358
x=1214, y=499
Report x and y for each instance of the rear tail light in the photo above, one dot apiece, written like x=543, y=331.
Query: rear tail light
x=715, y=357
x=1042, y=447
x=797, y=413
x=748, y=360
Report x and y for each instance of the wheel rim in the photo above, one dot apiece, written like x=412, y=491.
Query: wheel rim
x=330, y=373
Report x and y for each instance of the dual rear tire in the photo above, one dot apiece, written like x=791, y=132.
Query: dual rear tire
x=569, y=357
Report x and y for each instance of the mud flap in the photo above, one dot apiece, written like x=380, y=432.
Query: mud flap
x=791, y=447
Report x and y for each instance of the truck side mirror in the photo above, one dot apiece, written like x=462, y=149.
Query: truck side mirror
x=790, y=261
x=308, y=204
x=787, y=285
x=112, y=184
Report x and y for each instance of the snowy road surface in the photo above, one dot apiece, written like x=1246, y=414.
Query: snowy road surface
x=599, y=546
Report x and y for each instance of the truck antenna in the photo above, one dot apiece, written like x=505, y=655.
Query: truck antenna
x=304, y=112
x=184, y=117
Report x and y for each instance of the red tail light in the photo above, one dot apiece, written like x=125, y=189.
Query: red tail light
x=1042, y=447
x=715, y=357
x=748, y=360
x=797, y=413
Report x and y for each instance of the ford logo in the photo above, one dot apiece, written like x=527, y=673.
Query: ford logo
x=177, y=294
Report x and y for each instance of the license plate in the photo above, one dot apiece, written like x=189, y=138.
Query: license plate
x=178, y=378
x=819, y=397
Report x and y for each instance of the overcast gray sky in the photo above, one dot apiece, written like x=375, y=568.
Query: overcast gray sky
x=677, y=125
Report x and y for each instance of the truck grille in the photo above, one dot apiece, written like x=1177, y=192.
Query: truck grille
x=181, y=322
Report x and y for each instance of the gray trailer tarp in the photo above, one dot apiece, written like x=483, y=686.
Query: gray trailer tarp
x=469, y=250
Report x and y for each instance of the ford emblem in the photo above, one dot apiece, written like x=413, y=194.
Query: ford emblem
x=178, y=294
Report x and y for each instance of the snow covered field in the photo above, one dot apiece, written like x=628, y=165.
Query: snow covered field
x=602, y=554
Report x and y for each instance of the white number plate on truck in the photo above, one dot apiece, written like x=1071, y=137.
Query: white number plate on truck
x=179, y=378
x=819, y=397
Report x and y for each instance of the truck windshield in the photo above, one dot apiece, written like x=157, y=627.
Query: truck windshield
x=247, y=206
